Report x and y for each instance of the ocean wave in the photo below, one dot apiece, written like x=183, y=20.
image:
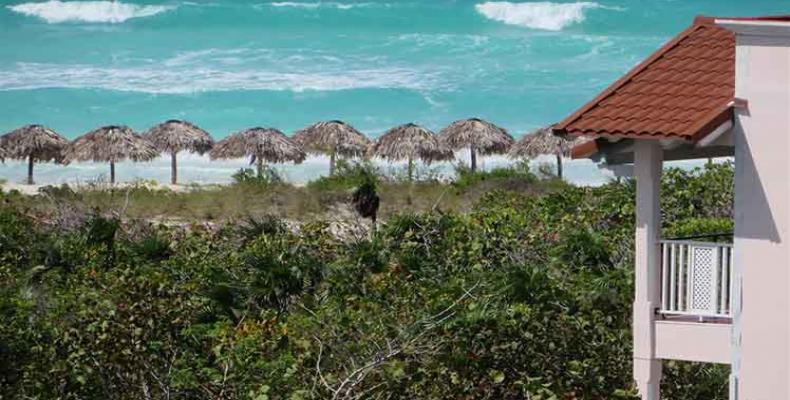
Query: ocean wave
x=55, y=11
x=539, y=15
x=154, y=79
x=311, y=5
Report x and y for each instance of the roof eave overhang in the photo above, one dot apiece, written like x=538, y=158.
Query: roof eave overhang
x=621, y=152
x=612, y=148
x=755, y=27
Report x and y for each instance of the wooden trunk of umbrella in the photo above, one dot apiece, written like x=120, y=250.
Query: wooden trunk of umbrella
x=473, y=158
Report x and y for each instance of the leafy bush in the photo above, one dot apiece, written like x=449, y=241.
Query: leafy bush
x=720, y=228
x=347, y=175
x=524, y=296
x=465, y=178
x=705, y=192
x=248, y=176
x=254, y=227
x=582, y=249
x=153, y=247
x=101, y=231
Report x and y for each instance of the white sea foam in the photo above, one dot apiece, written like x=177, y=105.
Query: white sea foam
x=55, y=11
x=295, y=4
x=192, y=79
x=314, y=5
x=452, y=42
x=539, y=15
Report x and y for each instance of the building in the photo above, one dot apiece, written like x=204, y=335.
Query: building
x=720, y=88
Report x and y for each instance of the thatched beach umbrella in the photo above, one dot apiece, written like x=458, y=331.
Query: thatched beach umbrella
x=411, y=142
x=174, y=136
x=481, y=137
x=335, y=138
x=261, y=145
x=33, y=143
x=544, y=141
x=111, y=144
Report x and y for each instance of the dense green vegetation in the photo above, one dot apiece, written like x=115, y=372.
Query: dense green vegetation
x=524, y=294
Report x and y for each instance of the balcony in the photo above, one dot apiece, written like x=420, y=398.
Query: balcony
x=693, y=321
x=696, y=281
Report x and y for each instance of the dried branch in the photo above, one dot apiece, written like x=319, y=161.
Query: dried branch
x=347, y=387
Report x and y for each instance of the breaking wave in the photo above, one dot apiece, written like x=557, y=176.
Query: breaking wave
x=55, y=11
x=540, y=15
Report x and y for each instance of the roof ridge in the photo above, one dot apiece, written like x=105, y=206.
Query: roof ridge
x=699, y=22
x=704, y=20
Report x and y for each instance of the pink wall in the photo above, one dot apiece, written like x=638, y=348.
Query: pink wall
x=762, y=220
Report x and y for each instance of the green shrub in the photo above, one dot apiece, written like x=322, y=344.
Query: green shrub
x=101, y=231
x=247, y=176
x=153, y=247
x=465, y=178
x=347, y=175
x=254, y=227
x=581, y=248
x=721, y=228
x=528, y=295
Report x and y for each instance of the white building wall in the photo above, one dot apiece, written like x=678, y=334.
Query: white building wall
x=762, y=220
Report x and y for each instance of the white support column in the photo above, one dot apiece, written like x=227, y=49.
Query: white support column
x=647, y=170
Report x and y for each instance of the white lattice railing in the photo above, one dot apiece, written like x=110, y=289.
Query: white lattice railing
x=696, y=278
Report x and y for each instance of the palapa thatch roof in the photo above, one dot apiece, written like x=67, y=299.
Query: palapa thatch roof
x=332, y=137
x=38, y=141
x=111, y=143
x=175, y=135
x=542, y=141
x=485, y=137
x=411, y=142
x=267, y=144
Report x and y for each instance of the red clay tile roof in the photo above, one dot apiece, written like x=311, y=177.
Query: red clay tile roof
x=684, y=90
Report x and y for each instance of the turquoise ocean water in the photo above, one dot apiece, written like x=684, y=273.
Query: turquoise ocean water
x=231, y=64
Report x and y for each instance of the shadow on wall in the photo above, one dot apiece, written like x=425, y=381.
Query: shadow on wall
x=750, y=193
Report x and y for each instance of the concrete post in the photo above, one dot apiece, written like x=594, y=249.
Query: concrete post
x=647, y=170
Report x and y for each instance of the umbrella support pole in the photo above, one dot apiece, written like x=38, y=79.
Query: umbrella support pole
x=173, y=168
x=30, y=169
x=411, y=181
x=259, y=165
x=112, y=172
x=473, y=158
x=559, y=166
